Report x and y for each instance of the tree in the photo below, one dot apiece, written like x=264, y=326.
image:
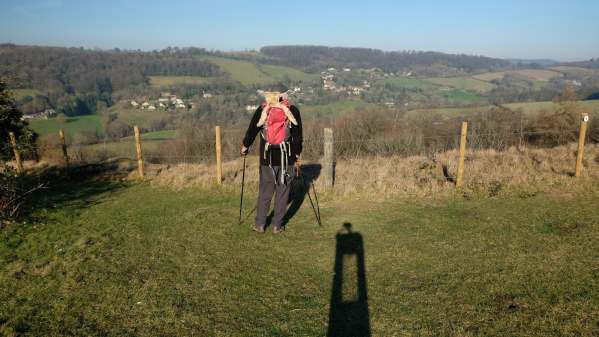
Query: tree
x=10, y=121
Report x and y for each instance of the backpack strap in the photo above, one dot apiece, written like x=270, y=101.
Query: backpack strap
x=266, y=109
x=263, y=116
x=288, y=114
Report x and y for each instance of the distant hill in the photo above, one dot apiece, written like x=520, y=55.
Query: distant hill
x=313, y=58
x=528, y=62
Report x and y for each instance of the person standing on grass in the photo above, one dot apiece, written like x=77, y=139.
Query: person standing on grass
x=280, y=127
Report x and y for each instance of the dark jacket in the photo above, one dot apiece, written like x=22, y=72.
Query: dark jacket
x=296, y=139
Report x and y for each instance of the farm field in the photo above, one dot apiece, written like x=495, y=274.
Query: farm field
x=335, y=108
x=541, y=75
x=249, y=73
x=575, y=71
x=112, y=258
x=167, y=81
x=529, y=108
x=463, y=83
x=407, y=82
x=72, y=125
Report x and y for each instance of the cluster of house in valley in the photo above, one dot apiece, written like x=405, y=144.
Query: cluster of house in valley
x=47, y=113
x=328, y=83
x=166, y=101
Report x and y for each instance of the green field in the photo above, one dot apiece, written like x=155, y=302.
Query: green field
x=408, y=83
x=336, y=108
x=462, y=96
x=281, y=73
x=72, y=125
x=102, y=258
x=167, y=81
x=249, y=73
x=462, y=83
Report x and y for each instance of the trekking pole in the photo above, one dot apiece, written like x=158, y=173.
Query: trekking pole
x=317, y=204
x=300, y=175
x=242, y=185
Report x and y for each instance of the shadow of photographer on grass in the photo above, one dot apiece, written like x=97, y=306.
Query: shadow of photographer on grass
x=349, y=314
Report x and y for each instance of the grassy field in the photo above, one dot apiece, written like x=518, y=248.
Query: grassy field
x=249, y=73
x=408, y=83
x=281, y=73
x=488, y=77
x=462, y=96
x=543, y=75
x=102, y=258
x=533, y=108
x=529, y=108
x=71, y=125
x=167, y=81
x=575, y=71
x=462, y=83
x=336, y=108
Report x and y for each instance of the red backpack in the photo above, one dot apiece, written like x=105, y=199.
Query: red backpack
x=276, y=129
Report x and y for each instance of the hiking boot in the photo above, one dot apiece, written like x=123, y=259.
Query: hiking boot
x=259, y=229
x=277, y=230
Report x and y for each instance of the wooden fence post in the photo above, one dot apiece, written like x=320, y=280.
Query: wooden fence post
x=140, y=161
x=219, y=167
x=63, y=143
x=15, y=149
x=459, y=178
x=329, y=158
x=581, y=138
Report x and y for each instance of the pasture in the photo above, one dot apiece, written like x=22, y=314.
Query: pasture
x=462, y=83
x=100, y=258
x=71, y=125
x=249, y=73
x=169, y=81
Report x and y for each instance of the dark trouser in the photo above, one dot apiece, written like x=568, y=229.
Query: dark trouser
x=267, y=189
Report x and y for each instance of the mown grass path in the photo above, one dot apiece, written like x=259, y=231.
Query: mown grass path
x=107, y=259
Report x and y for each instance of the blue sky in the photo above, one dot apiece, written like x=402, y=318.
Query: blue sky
x=563, y=30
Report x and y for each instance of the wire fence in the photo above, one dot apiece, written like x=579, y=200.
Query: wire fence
x=198, y=144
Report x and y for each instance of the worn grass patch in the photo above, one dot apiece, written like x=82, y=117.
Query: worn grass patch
x=104, y=259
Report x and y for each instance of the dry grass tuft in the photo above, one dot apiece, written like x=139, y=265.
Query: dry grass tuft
x=487, y=173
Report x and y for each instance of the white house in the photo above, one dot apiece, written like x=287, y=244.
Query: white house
x=251, y=108
x=151, y=108
x=180, y=106
x=328, y=84
x=145, y=105
x=161, y=105
x=163, y=100
x=347, y=69
x=134, y=104
x=206, y=95
x=48, y=113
